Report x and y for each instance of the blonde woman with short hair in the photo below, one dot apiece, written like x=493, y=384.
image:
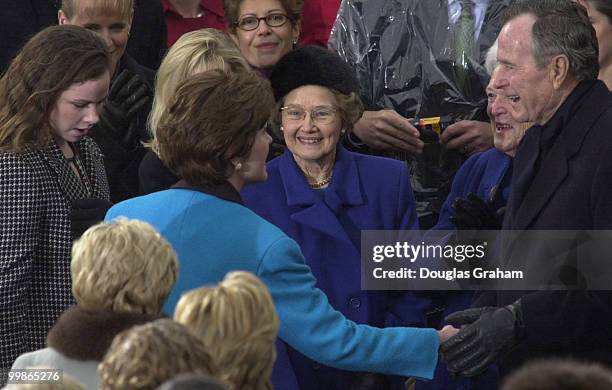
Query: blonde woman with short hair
x=122, y=273
x=237, y=322
x=145, y=356
x=194, y=52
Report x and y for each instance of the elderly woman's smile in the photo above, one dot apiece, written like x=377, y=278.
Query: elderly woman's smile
x=312, y=141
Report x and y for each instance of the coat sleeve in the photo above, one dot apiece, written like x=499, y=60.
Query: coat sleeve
x=20, y=214
x=458, y=190
x=310, y=325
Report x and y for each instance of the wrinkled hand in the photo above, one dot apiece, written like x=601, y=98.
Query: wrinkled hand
x=128, y=94
x=475, y=214
x=447, y=332
x=485, y=334
x=468, y=137
x=389, y=131
x=85, y=213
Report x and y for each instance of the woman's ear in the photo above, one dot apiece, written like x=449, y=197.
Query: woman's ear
x=61, y=17
x=296, y=31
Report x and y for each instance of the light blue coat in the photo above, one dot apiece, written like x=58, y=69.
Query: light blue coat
x=213, y=236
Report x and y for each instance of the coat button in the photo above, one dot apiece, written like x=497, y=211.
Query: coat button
x=355, y=303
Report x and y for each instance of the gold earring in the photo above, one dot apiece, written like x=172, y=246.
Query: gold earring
x=238, y=166
x=282, y=128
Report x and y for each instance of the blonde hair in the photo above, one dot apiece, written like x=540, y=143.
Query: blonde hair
x=145, y=356
x=68, y=382
x=238, y=323
x=194, y=52
x=123, y=8
x=123, y=266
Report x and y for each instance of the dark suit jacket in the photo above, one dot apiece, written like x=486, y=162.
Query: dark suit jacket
x=572, y=190
x=20, y=20
x=122, y=164
x=148, y=35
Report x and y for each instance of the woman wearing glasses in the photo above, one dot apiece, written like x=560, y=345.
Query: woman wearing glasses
x=322, y=196
x=264, y=30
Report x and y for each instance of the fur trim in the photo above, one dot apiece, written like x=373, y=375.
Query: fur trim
x=312, y=65
x=87, y=334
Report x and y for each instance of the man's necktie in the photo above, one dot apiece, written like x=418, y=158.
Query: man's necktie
x=464, y=42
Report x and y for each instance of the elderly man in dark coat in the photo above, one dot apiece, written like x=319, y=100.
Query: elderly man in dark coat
x=547, y=65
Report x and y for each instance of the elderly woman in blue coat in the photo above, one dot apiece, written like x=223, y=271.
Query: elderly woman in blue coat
x=213, y=136
x=323, y=196
x=479, y=193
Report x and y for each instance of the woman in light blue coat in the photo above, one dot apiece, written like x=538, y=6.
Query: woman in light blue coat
x=213, y=136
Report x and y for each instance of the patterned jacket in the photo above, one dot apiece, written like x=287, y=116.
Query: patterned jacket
x=36, y=190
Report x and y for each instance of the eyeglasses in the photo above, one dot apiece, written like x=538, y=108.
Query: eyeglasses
x=320, y=115
x=250, y=23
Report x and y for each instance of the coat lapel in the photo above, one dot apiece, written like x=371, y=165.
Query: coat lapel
x=321, y=212
x=555, y=167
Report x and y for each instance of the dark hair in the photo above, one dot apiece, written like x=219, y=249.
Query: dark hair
x=213, y=118
x=559, y=375
x=231, y=9
x=561, y=27
x=48, y=64
x=603, y=6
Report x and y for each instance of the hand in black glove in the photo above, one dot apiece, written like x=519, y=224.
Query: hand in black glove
x=488, y=332
x=128, y=94
x=85, y=213
x=475, y=214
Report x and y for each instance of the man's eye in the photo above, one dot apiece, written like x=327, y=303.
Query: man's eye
x=514, y=98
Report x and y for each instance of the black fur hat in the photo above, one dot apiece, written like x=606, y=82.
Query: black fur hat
x=312, y=65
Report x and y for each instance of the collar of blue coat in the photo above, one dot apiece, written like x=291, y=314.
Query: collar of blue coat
x=345, y=186
x=223, y=190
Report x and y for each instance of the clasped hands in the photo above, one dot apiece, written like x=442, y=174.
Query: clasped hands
x=476, y=337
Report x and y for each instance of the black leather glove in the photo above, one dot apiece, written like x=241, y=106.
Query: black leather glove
x=475, y=214
x=85, y=213
x=486, y=333
x=128, y=94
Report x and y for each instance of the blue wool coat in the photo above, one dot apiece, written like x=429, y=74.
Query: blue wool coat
x=479, y=175
x=213, y=236
x=366, y=192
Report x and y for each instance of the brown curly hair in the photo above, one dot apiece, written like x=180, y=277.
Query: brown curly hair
x=49, y=63
x=213, y=118
x=231, y=9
